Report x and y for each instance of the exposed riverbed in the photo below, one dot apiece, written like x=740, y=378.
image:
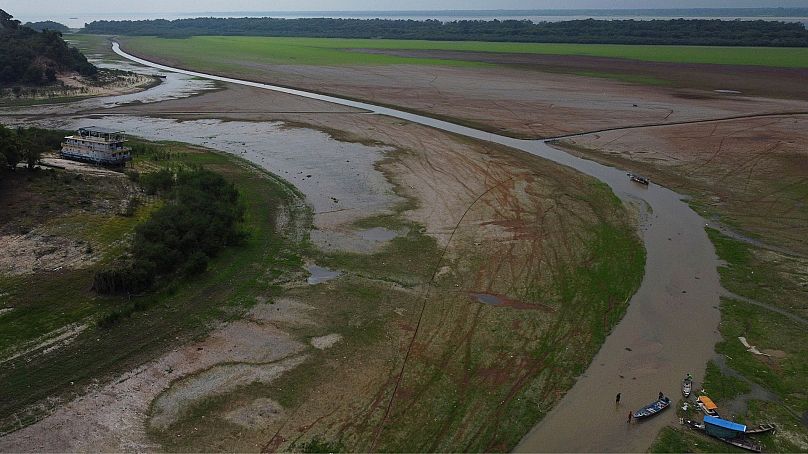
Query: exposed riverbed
x=669, y=328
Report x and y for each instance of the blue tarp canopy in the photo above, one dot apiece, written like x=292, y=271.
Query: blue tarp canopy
x=723, y=423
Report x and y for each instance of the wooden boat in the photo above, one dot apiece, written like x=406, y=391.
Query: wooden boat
x=707, y=406
x=687, y=386
x=761, y=429
x=652, y=408
x=743, y=443
x=739, y=438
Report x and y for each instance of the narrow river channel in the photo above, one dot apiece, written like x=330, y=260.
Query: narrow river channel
x=669, y=329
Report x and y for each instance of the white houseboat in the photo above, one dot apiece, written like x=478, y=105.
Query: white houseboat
x=96, y=145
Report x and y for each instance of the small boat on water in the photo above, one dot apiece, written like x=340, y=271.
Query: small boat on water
x=652, y=408
x=707, y=406
x=687, y=386
x=639, y=179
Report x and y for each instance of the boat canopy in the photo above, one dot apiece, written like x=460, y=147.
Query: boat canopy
x=708, y=403
x=723, y=423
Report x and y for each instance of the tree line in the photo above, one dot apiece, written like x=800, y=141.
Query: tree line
x=202, y=215
x=30, y=57
x=674, y=31
x=47, y=25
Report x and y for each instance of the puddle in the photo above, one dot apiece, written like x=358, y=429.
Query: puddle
x=501, y=301
x=491, y=300
x=378, y=234
x=320, y=274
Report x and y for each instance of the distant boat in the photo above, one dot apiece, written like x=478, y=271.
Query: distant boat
x=639, y=179
x=687, y=386
x=652, y=408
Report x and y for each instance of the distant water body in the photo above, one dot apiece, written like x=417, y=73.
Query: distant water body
x=771, y=14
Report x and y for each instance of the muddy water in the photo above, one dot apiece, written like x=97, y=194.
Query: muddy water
x=668, y=330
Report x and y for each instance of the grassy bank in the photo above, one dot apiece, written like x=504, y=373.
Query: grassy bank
x=155, y=322
x=324, y=51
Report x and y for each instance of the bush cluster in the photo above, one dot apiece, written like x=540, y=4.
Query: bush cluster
x=202, y=215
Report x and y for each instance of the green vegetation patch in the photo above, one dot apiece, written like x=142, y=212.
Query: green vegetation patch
x=177, y=310
x=723, y=387
x=202, y=52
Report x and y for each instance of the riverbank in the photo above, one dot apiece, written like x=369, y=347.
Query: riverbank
x=748, y=177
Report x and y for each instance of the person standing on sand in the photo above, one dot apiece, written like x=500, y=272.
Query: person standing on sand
x=629, y=416
x=617, y=399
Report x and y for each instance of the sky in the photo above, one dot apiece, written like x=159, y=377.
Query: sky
x=45, y=7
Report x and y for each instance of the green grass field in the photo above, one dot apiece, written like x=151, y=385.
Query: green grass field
x=333, y=51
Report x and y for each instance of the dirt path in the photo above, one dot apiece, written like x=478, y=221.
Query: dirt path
x=651, y=347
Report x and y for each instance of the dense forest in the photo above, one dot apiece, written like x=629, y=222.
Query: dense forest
x=47, y=25
x=674, y=31
x=30, y=57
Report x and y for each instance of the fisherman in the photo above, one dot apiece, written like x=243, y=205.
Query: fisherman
x=661, y=395
x=617, y=399
x=630, y=415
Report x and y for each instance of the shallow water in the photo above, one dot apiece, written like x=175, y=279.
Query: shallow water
x=378, y=234
x=320, y=274
x=491, y=300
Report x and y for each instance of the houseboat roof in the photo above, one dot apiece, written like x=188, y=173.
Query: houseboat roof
x=100, y=130
x=708, y=403
x=724, y=423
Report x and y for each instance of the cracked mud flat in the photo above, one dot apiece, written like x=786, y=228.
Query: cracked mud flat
x=113, y=417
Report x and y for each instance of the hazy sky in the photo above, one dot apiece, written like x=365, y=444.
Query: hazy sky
x=45, y=7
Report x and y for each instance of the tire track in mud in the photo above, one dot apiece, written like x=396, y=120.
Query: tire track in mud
x=421, y=314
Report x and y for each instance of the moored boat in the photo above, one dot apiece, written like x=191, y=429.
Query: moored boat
x=687, y=386
x=761, y=429
x=652, y=408
x=707, y=406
